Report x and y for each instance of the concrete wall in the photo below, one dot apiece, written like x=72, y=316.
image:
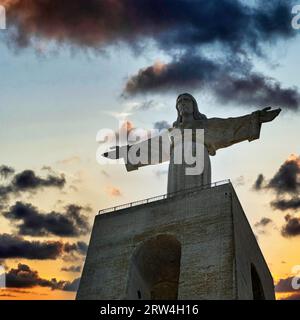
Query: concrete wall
x=247, y=252
x=202, y=222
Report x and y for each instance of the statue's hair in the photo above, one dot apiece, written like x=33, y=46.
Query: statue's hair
x=196, y=113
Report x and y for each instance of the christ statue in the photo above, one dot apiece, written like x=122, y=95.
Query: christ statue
x=218, y=133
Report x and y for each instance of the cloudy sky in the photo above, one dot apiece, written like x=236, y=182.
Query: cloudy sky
x=70, y=68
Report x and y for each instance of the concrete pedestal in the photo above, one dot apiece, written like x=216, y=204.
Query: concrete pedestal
x=196, y=245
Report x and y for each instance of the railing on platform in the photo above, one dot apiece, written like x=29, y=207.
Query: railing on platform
x=164, y=196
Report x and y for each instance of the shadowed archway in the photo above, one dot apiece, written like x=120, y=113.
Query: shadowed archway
x=155, y=269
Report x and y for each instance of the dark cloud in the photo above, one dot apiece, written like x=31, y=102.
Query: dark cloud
x=286, y=204
x=286, y=184
x=82, y=247
x=179, y=23
x=4, y=194
x=79, y=247
x=231, y=81
x=71, y=269
x=160, y=125
x=179, y=28
x=17, y=247
x=286, y=180
x=24, y=277
x=71, y=286
x=231, y=23
x=12, y=246
x=256, y=89
x=6, y=171
x=27, y=181
x=285, y=285
x=183, y=73
x=263, y=222
x=259, y=182
x=292, y=226
x=75, y=252
x=29, y=221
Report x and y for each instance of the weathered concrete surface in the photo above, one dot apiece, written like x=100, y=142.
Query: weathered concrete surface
x=217, y=250
x=247, y=252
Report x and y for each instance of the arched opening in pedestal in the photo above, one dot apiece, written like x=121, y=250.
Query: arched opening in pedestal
x=155, y=269
x=257, y=288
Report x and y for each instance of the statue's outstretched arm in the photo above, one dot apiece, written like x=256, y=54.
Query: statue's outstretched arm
x=151, y=151
x=221, y=133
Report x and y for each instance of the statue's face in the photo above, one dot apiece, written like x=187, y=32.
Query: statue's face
x=185, y=105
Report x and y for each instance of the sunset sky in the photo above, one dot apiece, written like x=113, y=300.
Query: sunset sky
x=70, y=68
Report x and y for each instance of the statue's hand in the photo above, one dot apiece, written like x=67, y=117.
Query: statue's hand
x=265, y=115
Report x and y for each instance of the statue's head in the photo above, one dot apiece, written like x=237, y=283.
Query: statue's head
x=186, y=104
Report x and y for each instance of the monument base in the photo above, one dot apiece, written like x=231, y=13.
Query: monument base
x=194, y=245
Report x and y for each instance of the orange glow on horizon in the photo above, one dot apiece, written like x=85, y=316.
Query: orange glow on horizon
x=35, y=293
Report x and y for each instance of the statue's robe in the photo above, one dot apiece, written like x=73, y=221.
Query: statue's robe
x=218, y=133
